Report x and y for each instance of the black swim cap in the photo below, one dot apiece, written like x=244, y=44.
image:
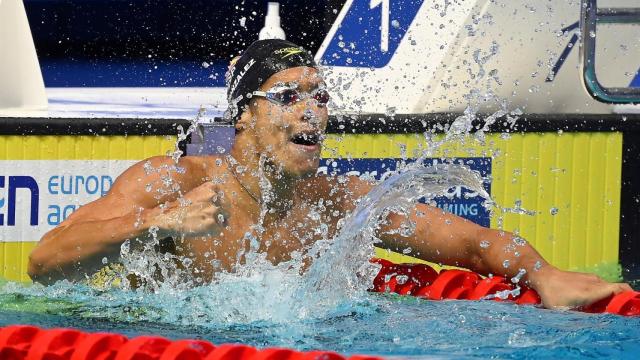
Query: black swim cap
x=262, y=59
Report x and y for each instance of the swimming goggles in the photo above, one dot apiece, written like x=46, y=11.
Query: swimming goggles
x=287, y=96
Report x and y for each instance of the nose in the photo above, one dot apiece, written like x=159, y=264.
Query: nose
x=311, y=112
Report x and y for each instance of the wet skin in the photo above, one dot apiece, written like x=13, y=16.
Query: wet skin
x=210, y=213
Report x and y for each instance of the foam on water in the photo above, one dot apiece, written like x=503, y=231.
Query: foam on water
x=344, y=270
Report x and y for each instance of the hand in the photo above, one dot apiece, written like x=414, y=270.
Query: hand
x=198, y=213
x=569, y=290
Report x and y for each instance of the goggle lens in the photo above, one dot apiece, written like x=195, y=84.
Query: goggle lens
x=322, y=96
x=287, y=96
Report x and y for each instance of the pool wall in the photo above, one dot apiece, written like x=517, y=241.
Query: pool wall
x=576, y=177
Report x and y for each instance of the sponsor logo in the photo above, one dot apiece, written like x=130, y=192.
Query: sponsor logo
x=15, y=183
x=37, y=195
x=57, y=188
x=286, y=52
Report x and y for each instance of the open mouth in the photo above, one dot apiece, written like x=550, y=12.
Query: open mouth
x=306, y=139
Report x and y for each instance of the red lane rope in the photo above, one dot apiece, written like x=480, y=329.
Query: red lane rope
x=423, y=281
x=25, y=342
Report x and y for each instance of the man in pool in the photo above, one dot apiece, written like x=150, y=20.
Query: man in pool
x=210, y=205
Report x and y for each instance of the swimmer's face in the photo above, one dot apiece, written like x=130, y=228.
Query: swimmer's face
x=291, y=135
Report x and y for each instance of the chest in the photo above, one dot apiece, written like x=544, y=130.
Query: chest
x=295, y=230
x=277, y=237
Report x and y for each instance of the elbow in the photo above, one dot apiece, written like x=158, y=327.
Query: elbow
x=37, y=268
x=34, y=267
x=483, y=247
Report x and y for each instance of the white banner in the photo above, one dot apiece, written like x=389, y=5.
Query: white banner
x=37, y=195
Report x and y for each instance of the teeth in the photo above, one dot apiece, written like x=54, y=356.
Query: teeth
x=306, y=139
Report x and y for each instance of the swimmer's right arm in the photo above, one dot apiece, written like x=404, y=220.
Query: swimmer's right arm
x=75, y=249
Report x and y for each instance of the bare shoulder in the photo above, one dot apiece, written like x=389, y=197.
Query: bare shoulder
x=161, y=178
x=146, y=184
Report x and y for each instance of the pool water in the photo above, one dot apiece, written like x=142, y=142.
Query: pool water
x=376, y=324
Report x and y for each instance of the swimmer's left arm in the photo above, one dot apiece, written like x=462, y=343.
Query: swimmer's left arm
x=447, y=239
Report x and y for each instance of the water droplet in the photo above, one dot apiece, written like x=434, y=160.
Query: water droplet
x=520, y=241
x=553, y=211
x=105, y=260
x=592, y=34
x=516, y=279
x=407, y=251
x=484, y=244
x=537, y=266
x=395, y=24
x=505, y=264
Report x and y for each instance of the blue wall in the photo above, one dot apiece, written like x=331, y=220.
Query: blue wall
x=159, y=42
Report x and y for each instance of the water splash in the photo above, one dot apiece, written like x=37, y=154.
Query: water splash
x=343, y=271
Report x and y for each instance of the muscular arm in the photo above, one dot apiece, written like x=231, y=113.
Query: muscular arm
x=447, y=239
x=96, y=230
x=76, y=248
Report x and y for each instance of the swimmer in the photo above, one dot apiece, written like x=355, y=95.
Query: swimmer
x=207, y=204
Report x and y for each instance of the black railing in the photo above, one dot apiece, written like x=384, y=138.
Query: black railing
x=590, y=17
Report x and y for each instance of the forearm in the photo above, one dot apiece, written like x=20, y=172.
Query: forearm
x=450, y=240
x=505, y=254
x=77, y=249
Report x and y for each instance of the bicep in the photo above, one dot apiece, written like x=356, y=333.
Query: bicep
x=438, y=236
x=107, y=207
x=133, y=190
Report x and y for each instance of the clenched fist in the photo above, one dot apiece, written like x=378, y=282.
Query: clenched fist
x=198, y=213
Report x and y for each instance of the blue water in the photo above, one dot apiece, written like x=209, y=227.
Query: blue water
x=377, y=324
